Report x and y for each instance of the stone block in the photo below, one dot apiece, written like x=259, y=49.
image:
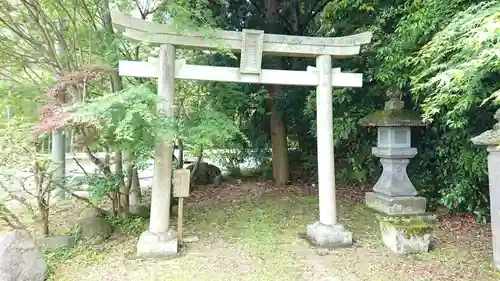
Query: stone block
x=328, y=236
x=428, y=218
x=395, y=205
x=94, y=229
x=406, y=237
x=56, y=242
x=157, y=244
x=20, y=258
x=141, y=210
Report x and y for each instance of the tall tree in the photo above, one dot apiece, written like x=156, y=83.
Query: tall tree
x=278, y=129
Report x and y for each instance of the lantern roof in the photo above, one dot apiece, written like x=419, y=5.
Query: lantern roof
x=393, y=114
x=490, y=137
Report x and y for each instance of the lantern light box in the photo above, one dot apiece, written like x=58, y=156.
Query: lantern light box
x=392, y=137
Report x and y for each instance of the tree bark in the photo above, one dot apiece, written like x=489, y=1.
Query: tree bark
x=276, y=92
x=195, y=166
x=278, y=139
x=181, y=154
x=43, y=206
x=126, y=186
x=135, y=197
x=116, y=86
x=44, y=213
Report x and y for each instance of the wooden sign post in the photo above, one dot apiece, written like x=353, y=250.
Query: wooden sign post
x=182, y=179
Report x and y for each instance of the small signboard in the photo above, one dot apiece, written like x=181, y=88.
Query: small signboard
x=251, y=51
x=181, y=182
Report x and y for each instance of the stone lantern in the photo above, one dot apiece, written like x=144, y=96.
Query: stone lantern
x=491, y=140
x=394, y=194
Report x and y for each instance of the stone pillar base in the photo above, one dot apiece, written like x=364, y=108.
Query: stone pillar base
x=157, y=244
x=404, y=205
x=329, y=236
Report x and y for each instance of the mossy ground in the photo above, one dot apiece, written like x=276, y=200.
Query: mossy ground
x=251, y=231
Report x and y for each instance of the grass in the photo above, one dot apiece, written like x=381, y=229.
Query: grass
x=251, y=232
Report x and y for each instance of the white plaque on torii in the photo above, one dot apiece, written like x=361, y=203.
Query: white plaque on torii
x=251, y=51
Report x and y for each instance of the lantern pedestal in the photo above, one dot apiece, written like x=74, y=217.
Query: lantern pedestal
x=400, y=205
x=394, y=193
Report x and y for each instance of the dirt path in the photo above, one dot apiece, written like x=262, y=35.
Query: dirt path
x=249, y=231
x=206, y=260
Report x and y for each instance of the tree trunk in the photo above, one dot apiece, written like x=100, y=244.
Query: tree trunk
x=44, y=213
x=43, y=204
x=195, y=167
x=278, y=129
x=135, y=197
x=278, y=139
x=123, y=188
x=116, y=86
x=181, y=154
x=126, y=186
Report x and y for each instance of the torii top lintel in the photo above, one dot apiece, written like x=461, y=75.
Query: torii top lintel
x=246, y=41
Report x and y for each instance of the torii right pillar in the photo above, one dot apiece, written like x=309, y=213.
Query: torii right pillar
x=491, y=139
x=326, y=232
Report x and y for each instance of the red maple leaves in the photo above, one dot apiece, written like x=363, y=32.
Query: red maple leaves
x=57, y=112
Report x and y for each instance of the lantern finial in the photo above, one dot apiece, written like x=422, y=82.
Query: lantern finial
x=394, y=102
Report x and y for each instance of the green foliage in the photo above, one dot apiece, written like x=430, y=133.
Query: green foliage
x=352, y=143
x=19, y=149
x=126, y=120
x=100, y=186
x=231, y=158
x=24, y=173
x=407, y=27
x=133, y=225
x=129, y=121
x=451, y=171
x=82, y=253
x=55, y=257
x=207, y=129
x=17, y=145
x=206, y=115
x=445, y=53
x=22, y=99
x=62, y=37
x=460, y=66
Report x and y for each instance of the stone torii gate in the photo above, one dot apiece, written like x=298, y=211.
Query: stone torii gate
x=159, y=240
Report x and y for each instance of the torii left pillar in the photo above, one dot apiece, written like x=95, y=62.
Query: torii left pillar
x=159, y=240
